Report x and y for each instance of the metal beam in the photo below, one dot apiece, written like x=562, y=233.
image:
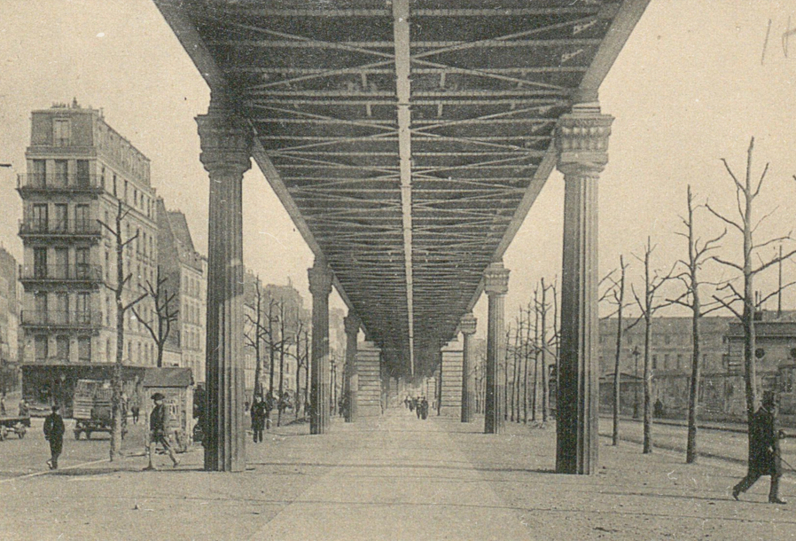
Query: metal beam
x=400, y=11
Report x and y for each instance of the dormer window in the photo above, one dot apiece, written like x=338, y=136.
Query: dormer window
x=62, y=132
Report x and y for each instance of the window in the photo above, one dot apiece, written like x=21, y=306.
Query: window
x=62, y=348
x=41, y=347
x=679, y=360
x=82, y=255
x=83, y=304
x=40, y=262
x=61, y=132
x=61, y=172
x=62, y=263
x=114, y=185
x=62, y=308
x=666, y=361
x=83, y=176
x=61, y=217
x=125, y=191
x=654, y=362
x=40, y=301
x=102, y=178
x=39, y=173
x=82, y=220
x=84, y=349
x=667, y=339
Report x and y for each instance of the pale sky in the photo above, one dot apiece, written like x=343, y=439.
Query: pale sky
x=688, y=89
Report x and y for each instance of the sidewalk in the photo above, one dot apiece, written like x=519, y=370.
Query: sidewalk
x=400, y=478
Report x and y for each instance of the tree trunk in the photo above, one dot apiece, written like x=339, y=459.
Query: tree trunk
x=116, y=383
x=647, y=361
x=543, y=359
x=617, y=359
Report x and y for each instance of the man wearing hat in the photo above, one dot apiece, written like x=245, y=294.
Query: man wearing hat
x=764, y=458
x=54, y=433
x=158, y=426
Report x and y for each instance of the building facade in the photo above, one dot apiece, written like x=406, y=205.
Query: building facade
x=81, y=176
x=9, y=322
x=283, y=305
x=670, y=358
x=184, y=270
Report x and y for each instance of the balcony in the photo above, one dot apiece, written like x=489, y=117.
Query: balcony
x=61, y=320
x=78, y=274
x=36, y=183
x=79, y=229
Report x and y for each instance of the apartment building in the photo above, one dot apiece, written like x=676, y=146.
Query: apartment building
x=185, y=272
x=81, y=176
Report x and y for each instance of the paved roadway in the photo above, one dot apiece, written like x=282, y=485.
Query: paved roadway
x=28, y=456
x=400, y=478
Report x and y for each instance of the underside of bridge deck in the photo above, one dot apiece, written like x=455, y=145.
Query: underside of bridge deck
x=407, y=139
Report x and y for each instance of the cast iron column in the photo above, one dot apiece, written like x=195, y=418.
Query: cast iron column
x=352, y=324
x=468, y=326
x=582, y=142
x=226, y=150
x=320, y=277
x=496, y=284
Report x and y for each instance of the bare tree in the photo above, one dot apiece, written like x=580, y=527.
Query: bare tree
x=753, y=264
x=698, y=254
x=615, y=295
x=648, y=306
x=300, y=358
x=165, y=313
x=254, y=335
x=117, y=407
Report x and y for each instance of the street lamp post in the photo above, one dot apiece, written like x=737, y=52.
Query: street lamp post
x=636, y=354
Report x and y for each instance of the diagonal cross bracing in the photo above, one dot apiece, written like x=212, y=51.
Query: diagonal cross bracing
x=400, y=10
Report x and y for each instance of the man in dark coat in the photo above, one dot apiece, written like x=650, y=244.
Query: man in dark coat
x=158, y=427
x=765, y=453
x=258, y=418
x=54, y=433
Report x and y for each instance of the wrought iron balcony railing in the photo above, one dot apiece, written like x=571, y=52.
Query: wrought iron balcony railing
x=56, y=182
x=59, y=227
x=62, y=273
x=61, y=319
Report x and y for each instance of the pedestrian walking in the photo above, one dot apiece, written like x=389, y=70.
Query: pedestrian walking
x=424, y=408
x=3, y=405
x=135, y=409
x=158, y=427
x=54, y=433
x=764, y=458
x=258, y=418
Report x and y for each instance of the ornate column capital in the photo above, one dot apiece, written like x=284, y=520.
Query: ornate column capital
x=320, y=277
x=468, y=323
x=582, y=140
x=496, y=279
x=226, y=141
x=352, y=323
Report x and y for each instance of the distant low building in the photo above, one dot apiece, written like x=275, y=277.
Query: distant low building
x=671, y=354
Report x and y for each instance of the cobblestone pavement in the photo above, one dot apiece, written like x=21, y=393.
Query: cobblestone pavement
x=397, y=478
